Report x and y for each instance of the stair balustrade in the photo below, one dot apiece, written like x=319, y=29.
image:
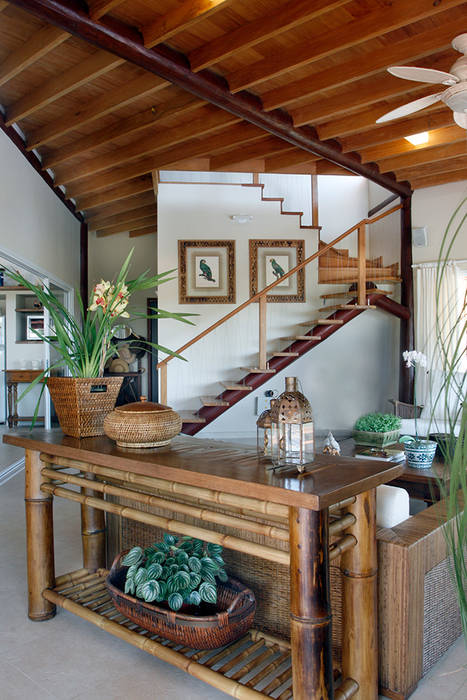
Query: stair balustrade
x=261, y=297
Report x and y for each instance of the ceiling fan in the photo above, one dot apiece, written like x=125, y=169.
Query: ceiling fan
x=455, y=95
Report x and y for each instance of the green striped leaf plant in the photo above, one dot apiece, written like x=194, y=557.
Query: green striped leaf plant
x=175, y=571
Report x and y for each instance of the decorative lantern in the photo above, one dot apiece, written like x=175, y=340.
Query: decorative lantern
x=264, y=433
x=292, y=427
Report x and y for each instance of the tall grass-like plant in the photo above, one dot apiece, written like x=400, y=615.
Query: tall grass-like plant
x=451, y=346
x=84, y=345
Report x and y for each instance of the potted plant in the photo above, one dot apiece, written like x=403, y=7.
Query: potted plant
x=82, y=347
x=180, y=590
x=419, y=451
x=378, y=429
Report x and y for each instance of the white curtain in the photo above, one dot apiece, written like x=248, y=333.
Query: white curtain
x=428, y=308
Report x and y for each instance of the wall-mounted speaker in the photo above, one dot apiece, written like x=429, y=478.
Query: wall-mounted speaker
x=419, y=237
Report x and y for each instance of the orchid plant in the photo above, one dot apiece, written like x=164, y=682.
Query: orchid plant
x=415, y=359
x=84, y=345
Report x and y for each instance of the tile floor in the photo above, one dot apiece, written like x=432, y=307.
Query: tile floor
x=69, y=659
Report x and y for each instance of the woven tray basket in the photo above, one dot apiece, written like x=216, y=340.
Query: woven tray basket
x=235, y=602
x=83, y=403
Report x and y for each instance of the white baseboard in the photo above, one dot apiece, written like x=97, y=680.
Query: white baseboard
x=11, y=471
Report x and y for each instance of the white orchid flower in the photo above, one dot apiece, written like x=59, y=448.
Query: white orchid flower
x=414, y=357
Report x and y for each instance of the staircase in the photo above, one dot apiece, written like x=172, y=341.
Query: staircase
x=335, y=267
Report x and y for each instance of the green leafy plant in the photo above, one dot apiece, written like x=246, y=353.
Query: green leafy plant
x=85, y=345
x=451, y=349
x=175, y=572
x=378, y=423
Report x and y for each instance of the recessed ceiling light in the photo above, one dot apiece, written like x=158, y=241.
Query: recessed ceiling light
x=418, y=139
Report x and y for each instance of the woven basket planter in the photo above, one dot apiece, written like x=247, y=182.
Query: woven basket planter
x=236, y=607
x=83, y=403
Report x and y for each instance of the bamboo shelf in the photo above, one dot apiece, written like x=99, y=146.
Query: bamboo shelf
x=258, y=665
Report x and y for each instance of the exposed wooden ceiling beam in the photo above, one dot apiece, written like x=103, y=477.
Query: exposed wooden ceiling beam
x=114, y=194
x=122, y=206
x=177, y=104
x=292, y=158
x=366, y=118
x=181, y=18
x=382, y=134
x=287, y=17
x=39, y=44
x=143, y=232
x=443, y=166
x=239, y=133
x=437, y=137
x=128, y=45
x=324, y=167
x=408, y=50
x=98, y=107
x=441, y=179
x=384, y=19
x=132, y=224
x=425, y=155
x=204, y=120
x=97, y=64
x=3, y=5
x=99, y=222
x=99, y=8
x=361, y=93
x=258, y=149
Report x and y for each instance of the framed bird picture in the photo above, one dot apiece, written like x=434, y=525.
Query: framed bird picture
x=270, y=260
x=206, y=272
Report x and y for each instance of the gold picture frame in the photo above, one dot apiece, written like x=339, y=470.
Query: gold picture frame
x=206, y=272
x=269, y=259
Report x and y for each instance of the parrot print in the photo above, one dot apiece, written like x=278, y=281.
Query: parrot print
x=206, y=271
x=277, y=270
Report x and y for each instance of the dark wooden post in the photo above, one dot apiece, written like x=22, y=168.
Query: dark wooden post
x=359, y=610
x=92, y=533
x=310, y=608
x=40, y=545
x=407, y=334
x=83, y=263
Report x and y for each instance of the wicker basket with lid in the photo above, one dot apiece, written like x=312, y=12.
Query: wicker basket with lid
x=142, y=424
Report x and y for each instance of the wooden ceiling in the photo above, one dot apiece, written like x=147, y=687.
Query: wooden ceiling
x=108, y=92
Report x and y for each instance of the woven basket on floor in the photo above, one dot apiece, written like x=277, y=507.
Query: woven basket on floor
x=235, y=603
x=83, y=403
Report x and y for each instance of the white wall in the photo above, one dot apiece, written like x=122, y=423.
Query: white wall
x=38, y=229
x=347, y=375
x=34, y=224
x=432, y=207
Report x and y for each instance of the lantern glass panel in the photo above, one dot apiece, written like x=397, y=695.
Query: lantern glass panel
x=294, y=443
x=264, y=440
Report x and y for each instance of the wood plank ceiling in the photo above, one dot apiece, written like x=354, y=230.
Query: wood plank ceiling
x=107, y=92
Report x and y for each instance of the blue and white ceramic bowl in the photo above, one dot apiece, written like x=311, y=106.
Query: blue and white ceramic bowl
x=419, y=453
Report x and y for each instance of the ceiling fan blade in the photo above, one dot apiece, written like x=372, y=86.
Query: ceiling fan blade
x=461, y=119
x=423, y=75
x=410, y=107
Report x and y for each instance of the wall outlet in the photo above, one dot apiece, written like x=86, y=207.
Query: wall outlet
x=262, y=404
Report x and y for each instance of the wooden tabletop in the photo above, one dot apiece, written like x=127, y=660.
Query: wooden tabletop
x=221, y=466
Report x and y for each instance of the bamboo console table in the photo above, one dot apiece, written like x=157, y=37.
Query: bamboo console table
x=334, y=497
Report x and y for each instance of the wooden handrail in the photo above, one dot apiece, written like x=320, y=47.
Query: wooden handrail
x=267, y=289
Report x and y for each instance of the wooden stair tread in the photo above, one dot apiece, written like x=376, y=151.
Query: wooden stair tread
x=189, y=417
x=303, y=337
x=285, y=354
x=213, y=401
x=258, y=370
x=236, y=387
x=323, y=322
x=353, y=293
x=333, y=307
x=351, y=280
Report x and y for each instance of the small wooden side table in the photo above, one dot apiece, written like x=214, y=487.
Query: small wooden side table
x=13, y=378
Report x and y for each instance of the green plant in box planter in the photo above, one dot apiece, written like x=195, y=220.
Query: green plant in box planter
x=176, y=572
x=379, y=429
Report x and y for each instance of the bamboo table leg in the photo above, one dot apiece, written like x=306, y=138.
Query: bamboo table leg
x=40, y=545
x=92, y=533
x=360, y=614
x=310, y=609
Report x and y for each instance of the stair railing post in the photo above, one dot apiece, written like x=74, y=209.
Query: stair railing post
x=163, y=375
x=361, y=284
x=262, y=306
